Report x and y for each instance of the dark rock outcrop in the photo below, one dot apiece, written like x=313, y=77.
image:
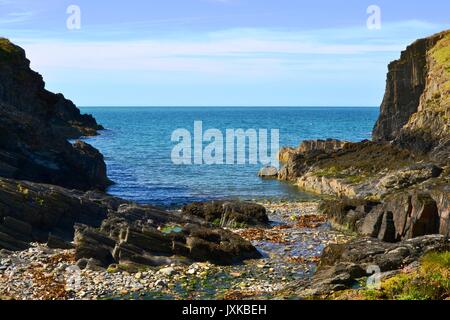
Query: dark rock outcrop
x=342, y=265
x=395, y=187
x=109, y=230
x=400, y=216
x=229, y=213
x=149, y=246
x=31, y=212
x=24, y=89
x=298, y=160
x=149, y=236
x=35, y=125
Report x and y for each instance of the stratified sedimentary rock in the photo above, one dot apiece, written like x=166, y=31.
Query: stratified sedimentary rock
x=397, y=186
x=403, y=215
x=109, y=230
x=229, y=213
x=342, y=265
x=35, y=125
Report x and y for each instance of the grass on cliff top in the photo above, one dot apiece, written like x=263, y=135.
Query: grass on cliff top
x=441, y=54
x=430, y=282
x=8, y=51
x=6, y=45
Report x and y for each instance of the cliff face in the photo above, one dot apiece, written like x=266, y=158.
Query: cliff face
x=24, y=89
x=404, y=174
x=428, y=130
x=416, y=107
x=38, y=165
x=35, y=125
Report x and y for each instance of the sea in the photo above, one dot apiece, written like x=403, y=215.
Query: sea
x=138, y=146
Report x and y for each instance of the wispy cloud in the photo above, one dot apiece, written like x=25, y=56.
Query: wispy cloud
x=15, y=17
x=267, y=65
x=236, y=51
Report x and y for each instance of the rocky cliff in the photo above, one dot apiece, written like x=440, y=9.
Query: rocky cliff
x=24, y=89
x=46, y=188
x=404, y=173
x=393, y=191
x=415, y=112
x=35, y=125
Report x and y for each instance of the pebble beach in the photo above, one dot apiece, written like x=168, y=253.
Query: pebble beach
x=291, y=249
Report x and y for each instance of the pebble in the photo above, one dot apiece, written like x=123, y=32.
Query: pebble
x=266, y=276
x=168, y=271
x=161, y=283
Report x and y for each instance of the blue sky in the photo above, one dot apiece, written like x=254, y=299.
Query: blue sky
x=218, y=52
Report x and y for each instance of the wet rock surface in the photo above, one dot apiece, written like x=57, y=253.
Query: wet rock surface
x=144, y=243
x=290, y=250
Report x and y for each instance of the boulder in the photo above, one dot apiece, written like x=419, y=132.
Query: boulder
x=152, y=247
x=372, y=223
x=229, y=213
x=268, y=172
x=342, y=265
x=349, y=213
x=58, y=243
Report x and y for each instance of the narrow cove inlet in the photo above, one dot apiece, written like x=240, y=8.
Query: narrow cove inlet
x=212, y=159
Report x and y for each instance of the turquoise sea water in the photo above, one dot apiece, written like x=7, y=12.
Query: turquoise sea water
x=137, y=147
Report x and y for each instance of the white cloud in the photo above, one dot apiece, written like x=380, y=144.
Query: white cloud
x=239, y=53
